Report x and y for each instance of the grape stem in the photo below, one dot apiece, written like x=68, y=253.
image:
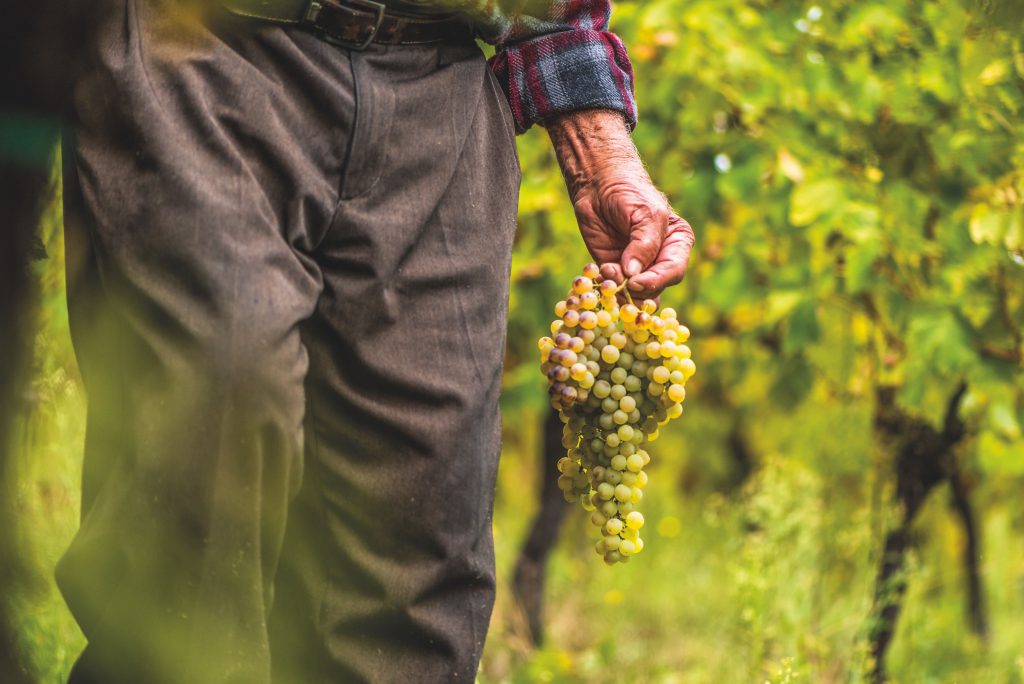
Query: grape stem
x=622, y=288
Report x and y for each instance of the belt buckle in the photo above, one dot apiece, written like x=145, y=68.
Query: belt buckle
x=316, y=7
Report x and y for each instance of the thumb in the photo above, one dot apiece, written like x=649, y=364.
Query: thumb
x=645, y=238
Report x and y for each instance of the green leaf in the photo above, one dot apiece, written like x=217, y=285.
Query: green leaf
x=802, y=329
x=988, y=226
x=810, y=201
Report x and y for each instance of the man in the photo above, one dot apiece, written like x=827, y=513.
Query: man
x=289, y=257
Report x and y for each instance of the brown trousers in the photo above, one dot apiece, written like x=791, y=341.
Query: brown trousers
x=288, y=280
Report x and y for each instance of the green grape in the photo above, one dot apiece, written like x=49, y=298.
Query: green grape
x=621, y=492
x=635, y=520
x=613, y=526
x=635, y=463
x=613, y=557
x=609, y=354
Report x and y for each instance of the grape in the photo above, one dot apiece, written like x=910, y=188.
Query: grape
x=614, y=526
x=621, y=492
x=615, y=375
x=581, y=284
x=609, y=354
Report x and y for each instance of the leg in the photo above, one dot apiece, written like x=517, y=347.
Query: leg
x=388, y=569
x=200, y=178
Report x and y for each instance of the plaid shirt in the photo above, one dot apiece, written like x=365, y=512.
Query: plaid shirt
x=558, y=58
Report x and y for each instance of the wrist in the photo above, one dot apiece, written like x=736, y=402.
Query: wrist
x=590, y=142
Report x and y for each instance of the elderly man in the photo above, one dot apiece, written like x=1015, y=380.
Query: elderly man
x=289, y=229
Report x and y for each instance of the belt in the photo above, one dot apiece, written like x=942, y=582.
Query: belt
x=355, y=24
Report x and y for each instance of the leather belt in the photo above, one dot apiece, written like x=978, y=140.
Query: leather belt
x=356, y=24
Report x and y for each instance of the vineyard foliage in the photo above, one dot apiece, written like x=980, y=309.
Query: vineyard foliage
x=854, y=172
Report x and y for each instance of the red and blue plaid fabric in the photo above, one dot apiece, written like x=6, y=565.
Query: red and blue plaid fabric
x=559, y=58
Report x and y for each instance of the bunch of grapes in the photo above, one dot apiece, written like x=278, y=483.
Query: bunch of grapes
x=615, y=375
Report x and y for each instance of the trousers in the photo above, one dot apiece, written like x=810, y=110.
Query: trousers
x=288, y=271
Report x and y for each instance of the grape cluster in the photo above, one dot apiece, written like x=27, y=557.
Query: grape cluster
x=615, y=375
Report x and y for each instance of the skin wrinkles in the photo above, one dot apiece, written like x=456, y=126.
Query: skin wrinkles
x=625, y=221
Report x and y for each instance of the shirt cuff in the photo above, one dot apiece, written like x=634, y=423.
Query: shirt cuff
x=565, y=72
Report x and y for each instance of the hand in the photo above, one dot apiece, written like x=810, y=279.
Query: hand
x=626, y=223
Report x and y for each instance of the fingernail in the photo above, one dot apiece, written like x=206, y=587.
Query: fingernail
x=633, y=267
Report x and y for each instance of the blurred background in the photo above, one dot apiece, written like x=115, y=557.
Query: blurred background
x=843, y=500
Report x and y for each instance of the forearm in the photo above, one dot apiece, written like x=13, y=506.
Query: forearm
x=587, y=143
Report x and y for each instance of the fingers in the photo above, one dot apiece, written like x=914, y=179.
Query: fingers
x=645, y=240
x=612, y=271
x=669, y=266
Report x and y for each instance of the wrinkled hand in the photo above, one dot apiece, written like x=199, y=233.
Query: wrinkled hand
x=626, y=223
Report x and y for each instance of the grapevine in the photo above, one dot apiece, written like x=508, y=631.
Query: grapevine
x=615, y=375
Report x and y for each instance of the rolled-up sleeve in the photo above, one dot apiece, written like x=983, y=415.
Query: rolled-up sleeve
x=563, y=62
